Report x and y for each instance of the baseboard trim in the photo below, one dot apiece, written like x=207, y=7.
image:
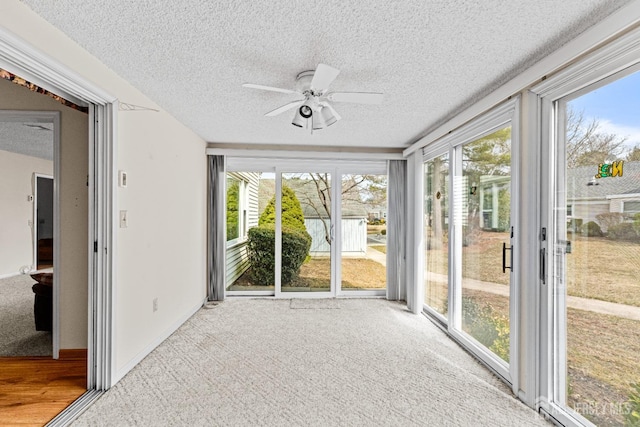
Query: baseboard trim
x=9, y=275
x=155, y=343
x=72, y=353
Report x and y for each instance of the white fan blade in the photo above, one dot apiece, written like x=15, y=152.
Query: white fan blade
x=269, y=88
x=357, y=97
x=323, y=77
x=284, y=108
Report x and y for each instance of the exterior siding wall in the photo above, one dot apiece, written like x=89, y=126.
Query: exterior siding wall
x=588, y=212
x=237, y=259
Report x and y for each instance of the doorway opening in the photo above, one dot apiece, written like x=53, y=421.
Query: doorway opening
x=43, y=221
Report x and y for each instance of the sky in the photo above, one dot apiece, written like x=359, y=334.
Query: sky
x=616, y=106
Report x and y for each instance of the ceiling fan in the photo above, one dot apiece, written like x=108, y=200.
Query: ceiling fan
x=314, y=109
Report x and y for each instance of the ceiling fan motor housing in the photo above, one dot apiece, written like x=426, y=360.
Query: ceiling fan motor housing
x=303, y=81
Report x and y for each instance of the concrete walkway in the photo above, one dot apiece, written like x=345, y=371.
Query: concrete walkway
x=579, y=303
x=586, y=304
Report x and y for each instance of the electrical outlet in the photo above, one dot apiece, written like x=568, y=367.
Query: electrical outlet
x=155, y=304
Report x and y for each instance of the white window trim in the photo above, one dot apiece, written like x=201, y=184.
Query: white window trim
x=611, y=62
x=243, y=201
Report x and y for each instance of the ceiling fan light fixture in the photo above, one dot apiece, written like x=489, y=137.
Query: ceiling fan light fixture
x=317, y=120
x=327, y=116
x=305, y=110
x=299, y=120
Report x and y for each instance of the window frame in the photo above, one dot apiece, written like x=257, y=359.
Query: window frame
x=503, y=115
x=243, y=201
x=610, y=62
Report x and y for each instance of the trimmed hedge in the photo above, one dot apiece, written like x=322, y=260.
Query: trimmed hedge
x=624, y=231
x=261, y=251
x=292, y=215
x=591, y=229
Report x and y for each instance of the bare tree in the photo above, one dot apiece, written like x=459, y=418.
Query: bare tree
x=314, y=193
x=634, y=154
x=587, y=144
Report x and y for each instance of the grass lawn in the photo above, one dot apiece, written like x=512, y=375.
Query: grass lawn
x=380, y=248
x=597, y=268
x=357, y=273
x=604, y=269
x=602, y=354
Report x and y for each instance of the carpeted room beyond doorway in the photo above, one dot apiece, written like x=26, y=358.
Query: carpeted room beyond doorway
x=18, y=335
x=309, y=362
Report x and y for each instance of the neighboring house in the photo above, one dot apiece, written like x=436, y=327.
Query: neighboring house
x=588, y=197
x=242, y=214
x=377, y=213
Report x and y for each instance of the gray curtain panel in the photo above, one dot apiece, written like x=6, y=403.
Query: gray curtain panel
x=216, y=229
x=396, y=230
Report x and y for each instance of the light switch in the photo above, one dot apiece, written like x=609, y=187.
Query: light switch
x=123, y=219
x=122, y=179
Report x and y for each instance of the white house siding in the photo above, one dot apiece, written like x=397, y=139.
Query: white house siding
x=587, y=211
x=237, y=262
x=615, y=205
x=354, y=235
x=237, y=259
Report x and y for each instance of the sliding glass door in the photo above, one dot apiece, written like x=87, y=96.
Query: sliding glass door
x=283, y=238
x=307, y=232
x=595, y=254
x=363, y=232
x=470, y=237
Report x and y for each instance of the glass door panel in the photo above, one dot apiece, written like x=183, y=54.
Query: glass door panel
x=597, y=253
x=436, y=199
x=363, y=230
x=485, y=204
x=307, y=232
x=250, y=254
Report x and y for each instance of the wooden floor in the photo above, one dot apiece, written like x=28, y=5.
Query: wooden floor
x=34, y=390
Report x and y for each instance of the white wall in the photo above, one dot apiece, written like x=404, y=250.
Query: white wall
x=162, y=253
x=16, y=184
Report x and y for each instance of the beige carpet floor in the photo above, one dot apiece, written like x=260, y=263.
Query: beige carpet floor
x=265, y=362
x=18, y=335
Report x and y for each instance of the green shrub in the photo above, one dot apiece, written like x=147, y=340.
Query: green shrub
x=296, y=242
x=292, y=216
x=575, y=225
x=610, y=219
x=383, y=231
x=636, y=223
x=261, y=251
x=591, y=229
x=233, y=192
x=488, y=327
x=632, y=414
x=624, y=231
x=295, y=248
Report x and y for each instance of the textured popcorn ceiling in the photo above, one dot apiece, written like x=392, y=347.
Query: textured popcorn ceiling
x=30, y=139
x=430, y=58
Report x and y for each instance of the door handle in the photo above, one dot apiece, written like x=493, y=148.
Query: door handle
x=504, y=258
x=543, y=266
